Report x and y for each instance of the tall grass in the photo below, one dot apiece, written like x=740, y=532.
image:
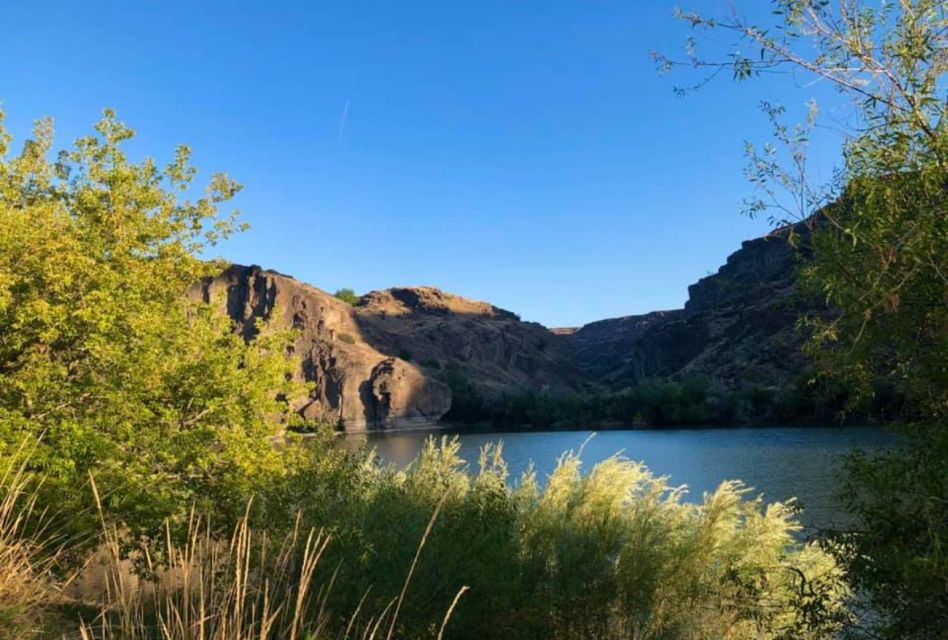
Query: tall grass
x=436, y=550
x=250, y=587
x=613, y=552
x=26, y=587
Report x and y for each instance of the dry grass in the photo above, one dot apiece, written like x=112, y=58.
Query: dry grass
x=250, y=587
x=26, y=588
x=247, y=587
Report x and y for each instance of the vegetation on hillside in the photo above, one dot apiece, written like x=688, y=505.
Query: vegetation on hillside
x=348, y=296
x=695, y=400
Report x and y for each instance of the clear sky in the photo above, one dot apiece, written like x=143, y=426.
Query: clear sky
x=525, y=153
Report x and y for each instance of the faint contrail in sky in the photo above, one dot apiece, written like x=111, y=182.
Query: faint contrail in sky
x=342, y=120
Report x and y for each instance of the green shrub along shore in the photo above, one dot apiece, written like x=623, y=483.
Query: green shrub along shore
x=378, y=552
x=693, y=401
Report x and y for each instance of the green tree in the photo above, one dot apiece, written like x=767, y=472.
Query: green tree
x=879, y=256
x=105, y=356
x=348, y=296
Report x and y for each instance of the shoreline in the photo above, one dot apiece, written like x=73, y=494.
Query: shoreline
x=462, y=428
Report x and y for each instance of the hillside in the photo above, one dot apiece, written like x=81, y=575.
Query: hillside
x=385, y=362
x=390, y=360
x=738, y=326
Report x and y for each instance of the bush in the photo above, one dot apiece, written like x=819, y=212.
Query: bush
x=348, y=296
x=614, y=553
x=895, y=552
x=104, y=353
x=373, y=550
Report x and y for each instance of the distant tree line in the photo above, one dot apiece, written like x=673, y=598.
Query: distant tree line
x=694, y=400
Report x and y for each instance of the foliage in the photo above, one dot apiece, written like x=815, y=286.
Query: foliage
x=251, y=587
x=103, y=353
x=148, y=402
x=897, y=550
x=612, y=553
x=467, y=403
x=693, y=400
x=437, y=551
x=348, y=296
x=880, y=240
x=879, y=258
x=890, y=286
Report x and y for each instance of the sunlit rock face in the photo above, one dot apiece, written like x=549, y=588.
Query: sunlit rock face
x=384, y=363
x=738, y=326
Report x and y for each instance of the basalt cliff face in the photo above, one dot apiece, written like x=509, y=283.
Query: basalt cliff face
x=738, y=326
x=384, y=363
x=387, y=361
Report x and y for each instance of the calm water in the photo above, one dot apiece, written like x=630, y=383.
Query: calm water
x=779, y=462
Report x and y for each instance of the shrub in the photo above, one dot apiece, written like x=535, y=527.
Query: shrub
x=103, y=352
x=251, y=587
x=467, y=404
x=348, y=296
x=612, y=553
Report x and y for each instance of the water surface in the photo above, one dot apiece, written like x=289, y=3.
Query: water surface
x=779, y=462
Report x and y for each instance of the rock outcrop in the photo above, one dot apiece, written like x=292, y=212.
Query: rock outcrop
x=383, y=363
x=492, y=347
x=738, y=326
x=387, y=361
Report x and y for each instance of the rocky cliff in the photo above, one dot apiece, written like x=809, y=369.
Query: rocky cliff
x=384, y=363
x=737, y=327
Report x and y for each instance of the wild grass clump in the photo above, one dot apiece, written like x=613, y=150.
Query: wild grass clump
x=437, y=551
x=611, y=553
x=247, y=587
x=26, y=588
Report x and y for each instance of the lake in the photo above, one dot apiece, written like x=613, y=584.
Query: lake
x=779, y=462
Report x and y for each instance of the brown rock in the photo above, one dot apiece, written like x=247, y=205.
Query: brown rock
x=383, y=363
x=351, y=385
x=738, y=326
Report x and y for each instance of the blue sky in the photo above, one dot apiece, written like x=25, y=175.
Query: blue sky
x=525, y=153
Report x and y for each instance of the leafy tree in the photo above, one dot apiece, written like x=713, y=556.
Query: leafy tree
x=879, y=257
x=105, y=356
x=348, y=296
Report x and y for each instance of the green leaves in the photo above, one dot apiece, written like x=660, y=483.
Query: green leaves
x=879, y=258
x=103, y=350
